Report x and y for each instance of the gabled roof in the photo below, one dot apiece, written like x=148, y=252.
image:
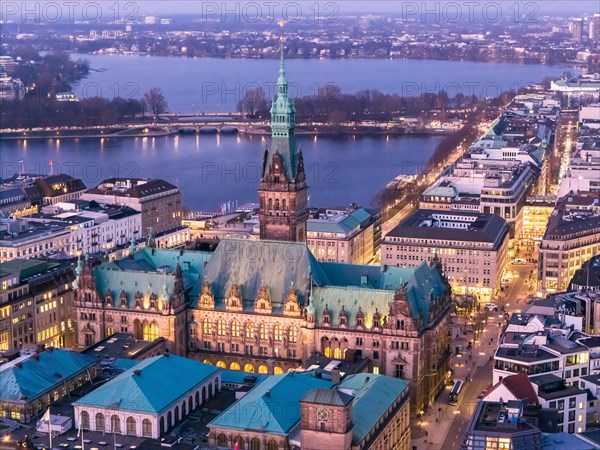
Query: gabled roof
x=268, y=406
x=40, y=374
x=161, y=381
x=518, y=385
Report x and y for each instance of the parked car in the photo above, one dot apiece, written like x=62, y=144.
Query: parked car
x=519, y=261
x=491, y=306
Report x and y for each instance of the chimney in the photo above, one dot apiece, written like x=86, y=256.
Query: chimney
x=367, y=380
x=137, y=372
x=40, y=348
x=335, y=375
x=385, y=267
x=270, y=366
x=267, y=393
x=166, y=354
x=36, y=357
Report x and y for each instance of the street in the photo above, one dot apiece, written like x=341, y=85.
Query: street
x=444, y=426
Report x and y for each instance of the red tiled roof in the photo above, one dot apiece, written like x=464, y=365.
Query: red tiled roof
x=519, y=385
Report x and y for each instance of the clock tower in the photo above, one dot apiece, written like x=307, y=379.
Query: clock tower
x=283, y=190
x=326, y=420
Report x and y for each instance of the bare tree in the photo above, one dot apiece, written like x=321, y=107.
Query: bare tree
x=155, y=100
x=254, y=101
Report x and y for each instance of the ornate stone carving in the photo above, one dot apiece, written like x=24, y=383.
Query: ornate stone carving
x=292, y=307
x=206, y=298
x=233, y=302
x=262, y=303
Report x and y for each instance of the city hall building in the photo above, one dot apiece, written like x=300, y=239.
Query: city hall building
x=265, y=306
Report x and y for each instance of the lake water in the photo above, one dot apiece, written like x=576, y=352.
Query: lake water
x=213, y=169
x=216, y=85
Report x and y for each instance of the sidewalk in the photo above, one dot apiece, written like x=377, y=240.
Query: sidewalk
x=435, y=424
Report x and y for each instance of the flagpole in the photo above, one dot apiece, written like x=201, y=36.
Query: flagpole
x=50, y=427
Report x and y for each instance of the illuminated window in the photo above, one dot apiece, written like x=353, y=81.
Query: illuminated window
x=376, y=370
x=264, y=331
x=293, y=334
x=249, y=330
x=207, y=326
x=235, y=328
x=277, y=331
x=580, y=418
x=221, y=327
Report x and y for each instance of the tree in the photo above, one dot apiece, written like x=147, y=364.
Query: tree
x=254, y=101
x=155, y=101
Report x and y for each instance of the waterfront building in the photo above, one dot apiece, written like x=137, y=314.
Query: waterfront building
x=32, y=382
x=35, y=304
x=584, y=88
x=14, y=202
x=571, y=238
x=472, y=247
x=140, y=402
x=283, y=190
x=349, y=236
x=157, y=200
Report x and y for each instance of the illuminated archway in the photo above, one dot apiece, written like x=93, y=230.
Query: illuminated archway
x=234, y=366
x=221, y=364
x=262, y=369
x=249, y=368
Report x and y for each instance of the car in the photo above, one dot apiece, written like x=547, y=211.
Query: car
x=491, y=306
x=519, y=261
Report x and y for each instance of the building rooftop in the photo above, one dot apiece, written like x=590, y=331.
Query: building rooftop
x=151, y=385
x=131, y=187
x=373, y=396
x=119, y=345
x=272, y=405
x=40, y=373
x=493, y=417
x=340, y=223
x=452, y=226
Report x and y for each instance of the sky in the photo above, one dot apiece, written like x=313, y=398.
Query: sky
x=566, y=7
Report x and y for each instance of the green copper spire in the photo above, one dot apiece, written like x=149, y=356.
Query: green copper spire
x=283, y=122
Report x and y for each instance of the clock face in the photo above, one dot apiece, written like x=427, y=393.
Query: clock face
x=322, y=414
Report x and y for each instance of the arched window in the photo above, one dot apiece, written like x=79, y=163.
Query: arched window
x=207, y=361
x=234, y=366
x=272, y=445
x=207, y=326
x=85, y=420
x=277, y=331
x=249, y=368
x=240, y=442
x=222, y=440
x=235, y=328
x=262, y=369
x=249, y=330
x=150, y=332
x=221, y=327
x=146, y=428
x=277, y=204
x=131, y=426
x=255, y=444
x=283, y=204
x=293, y=334
x=99, y=422
x=264, y=331
x=221, y=364
x=270, y=204
x=115, y=423
x=327, y=352
x=278, y=370
x=337, y=353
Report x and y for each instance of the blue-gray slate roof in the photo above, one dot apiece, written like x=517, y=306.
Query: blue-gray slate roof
x=272, y=406
x=161, y=381
x=41, y=374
